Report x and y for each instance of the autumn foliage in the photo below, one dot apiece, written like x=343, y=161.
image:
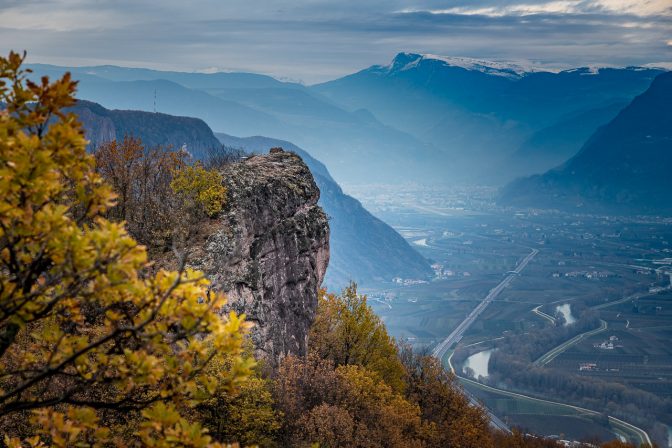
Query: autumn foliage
x=357, y=388
x=161, y=194
x=92, y=350
x=347, y=331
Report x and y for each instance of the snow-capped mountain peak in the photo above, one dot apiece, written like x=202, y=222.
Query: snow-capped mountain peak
x=507, y=69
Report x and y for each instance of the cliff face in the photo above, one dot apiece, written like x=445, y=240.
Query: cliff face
x=271, y=250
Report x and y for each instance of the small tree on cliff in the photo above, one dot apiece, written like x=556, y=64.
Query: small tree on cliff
x=84, y=333
x=347, y=331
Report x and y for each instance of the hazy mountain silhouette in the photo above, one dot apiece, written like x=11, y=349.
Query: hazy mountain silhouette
x=480, y=112
x=552, y=145
x=624, y=167
x=421, y=118
x=355, y=145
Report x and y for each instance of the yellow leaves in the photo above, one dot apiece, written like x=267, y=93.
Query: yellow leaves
x=202, y=187
x=88, y=323
x=13, y=442
x=164, y=427
x=158, y=416
x=78, y=427
x=347, y=331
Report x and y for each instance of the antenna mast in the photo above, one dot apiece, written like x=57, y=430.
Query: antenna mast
x=154, y=100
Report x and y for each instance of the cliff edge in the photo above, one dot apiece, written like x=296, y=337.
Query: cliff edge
x=270, y=251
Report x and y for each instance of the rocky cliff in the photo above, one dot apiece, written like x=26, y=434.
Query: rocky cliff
x=270, y=251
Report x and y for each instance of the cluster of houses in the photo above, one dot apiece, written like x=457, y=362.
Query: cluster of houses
x=611, y=344
x=591, y=275
x=441, y=273
x=588, y=367
x=408, y=281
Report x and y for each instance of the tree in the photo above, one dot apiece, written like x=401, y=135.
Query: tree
x=456, y=422
x=344, y=406
x=247, y=416
x=200, y=189
x=348, y=332
x=85, y=331
x=141, y=179
x=162, y=198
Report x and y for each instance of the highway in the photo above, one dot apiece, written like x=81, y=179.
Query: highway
x=624, y=427
x=456, y=336
x=444, y=346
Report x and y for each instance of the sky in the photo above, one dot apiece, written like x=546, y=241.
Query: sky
x=317, y=40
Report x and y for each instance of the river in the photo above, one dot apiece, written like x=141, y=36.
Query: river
x=478, y=363
x=566, y=311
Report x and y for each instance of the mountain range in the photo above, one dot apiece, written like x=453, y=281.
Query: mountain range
x=624, y=167
x=481, y=113
x=363, y=248
x=354, y=144
x=421, y=118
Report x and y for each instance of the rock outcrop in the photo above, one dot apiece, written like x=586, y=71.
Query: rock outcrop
x=271, y=250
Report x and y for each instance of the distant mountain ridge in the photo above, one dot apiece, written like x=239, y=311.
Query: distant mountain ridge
x=154, y=129
x=421, y=118
x=624, y=166
x=553, y=145
x=479, y=113
x=363, y=248
x=349, y=142
x=506, y=69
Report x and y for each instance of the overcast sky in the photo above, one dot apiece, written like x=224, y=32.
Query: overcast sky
x=316, y=40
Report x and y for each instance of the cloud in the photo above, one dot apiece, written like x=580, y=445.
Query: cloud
x=315, y=40
x=499, y=9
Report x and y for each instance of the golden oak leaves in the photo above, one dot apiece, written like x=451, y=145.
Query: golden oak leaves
x=83, y=327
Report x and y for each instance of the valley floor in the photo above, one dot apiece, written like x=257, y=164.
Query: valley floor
x=609, y=272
